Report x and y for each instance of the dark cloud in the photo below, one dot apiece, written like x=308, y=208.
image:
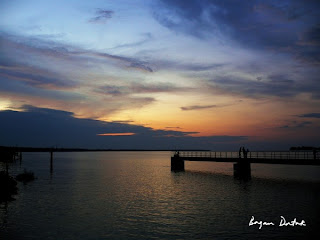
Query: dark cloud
x=182, y=16
x=310, y=115
x=44, y=127
x=197, y=107
x=308, y=54
x=253, y=23
x=308, y=46
x=46, y=111
x=311, y=36
x=102, y=16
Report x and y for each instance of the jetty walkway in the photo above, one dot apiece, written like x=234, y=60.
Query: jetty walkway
x=242, y=163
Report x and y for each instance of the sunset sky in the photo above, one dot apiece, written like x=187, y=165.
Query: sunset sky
x=160, y=74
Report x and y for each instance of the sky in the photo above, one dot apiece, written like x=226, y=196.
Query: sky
x=160, y=74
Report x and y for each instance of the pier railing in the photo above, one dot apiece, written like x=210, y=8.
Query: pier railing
x=253, y=155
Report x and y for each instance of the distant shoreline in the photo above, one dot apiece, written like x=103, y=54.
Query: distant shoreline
x=55, y=149
x=38, y=149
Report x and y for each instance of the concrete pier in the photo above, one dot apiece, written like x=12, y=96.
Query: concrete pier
x=242, y=166
x=242, y=170
x=177, y=164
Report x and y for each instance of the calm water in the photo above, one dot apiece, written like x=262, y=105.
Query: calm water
x=134, y=195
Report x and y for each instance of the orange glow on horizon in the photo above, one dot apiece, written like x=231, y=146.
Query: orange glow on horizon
x=116, y=134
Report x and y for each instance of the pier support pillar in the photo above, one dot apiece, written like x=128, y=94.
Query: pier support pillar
x=177, y=164
x=242, y=170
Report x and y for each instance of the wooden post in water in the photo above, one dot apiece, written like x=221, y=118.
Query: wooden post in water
x=51, y=161
x=7, y=167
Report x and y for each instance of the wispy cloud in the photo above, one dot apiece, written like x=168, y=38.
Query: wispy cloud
x=146, y=37
x=141, y=65
x=139, y=88
x=197, y=107
x=296, y=125
x=116, y=134
x=123, y=121
x=36, y=77
x=186, y=66
x=277, y=86
x=102, y=16
x=34, y=49
x=46, y=73
x=310, y=115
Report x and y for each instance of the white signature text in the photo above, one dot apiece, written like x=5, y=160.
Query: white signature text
x=283, y=223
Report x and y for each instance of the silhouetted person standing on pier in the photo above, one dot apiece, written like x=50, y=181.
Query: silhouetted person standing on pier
x=240, y=149
x=244, y=152
x=176, y=154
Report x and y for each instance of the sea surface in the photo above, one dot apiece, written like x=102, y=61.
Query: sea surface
x=134, y=195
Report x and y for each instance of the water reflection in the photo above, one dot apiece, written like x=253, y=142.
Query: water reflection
x=130, y=195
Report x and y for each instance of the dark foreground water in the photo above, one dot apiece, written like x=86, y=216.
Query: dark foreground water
x=134, y=195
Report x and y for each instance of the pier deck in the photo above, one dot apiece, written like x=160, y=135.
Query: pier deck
x=290, y=157
x=242, y=163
